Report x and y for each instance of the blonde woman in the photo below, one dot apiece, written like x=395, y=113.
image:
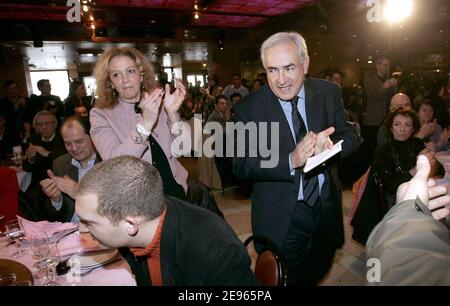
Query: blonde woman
x=134, y=117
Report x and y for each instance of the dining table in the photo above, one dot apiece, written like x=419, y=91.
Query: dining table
x=115, y=272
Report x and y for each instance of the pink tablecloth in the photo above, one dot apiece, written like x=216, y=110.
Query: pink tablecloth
x=115, y=274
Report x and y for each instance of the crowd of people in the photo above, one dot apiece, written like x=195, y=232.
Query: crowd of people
x=109, y=164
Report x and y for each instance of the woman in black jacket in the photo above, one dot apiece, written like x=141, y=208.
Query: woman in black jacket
x=394, y=164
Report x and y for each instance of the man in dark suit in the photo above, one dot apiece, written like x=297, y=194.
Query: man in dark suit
x=166, y=241
x=61, y=185
x=301, y=213
x=46, y=101
x=43, y=148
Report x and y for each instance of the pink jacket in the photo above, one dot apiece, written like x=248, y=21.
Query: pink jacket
x=114, y=133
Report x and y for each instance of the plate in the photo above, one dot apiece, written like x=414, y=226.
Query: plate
x=93, y=259
x=20, y=270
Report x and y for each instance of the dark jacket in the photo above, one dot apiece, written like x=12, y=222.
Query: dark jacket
x=198, y=248
x=393, y=161
x=42, y=164
x=275, y=190
x=63, y=166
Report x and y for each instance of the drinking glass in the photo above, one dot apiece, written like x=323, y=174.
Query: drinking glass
x=40, y=247
x=15, y=232
x=52, y=259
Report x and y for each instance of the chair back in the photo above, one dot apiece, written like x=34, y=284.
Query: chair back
x=200, y=195
x=270, y=266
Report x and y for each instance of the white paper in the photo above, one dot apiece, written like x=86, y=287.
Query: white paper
x=318, y=159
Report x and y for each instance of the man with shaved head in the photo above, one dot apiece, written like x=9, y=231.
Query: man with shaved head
x=400, y=100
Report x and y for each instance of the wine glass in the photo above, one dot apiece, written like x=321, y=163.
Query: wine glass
x=39, y=245
x=15, y=232
x=52, y=259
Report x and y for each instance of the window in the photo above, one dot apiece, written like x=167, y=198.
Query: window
x=59, y=80
x=193, y=79
x=91, y=85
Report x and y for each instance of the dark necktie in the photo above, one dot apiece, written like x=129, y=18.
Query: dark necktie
x=310, y=182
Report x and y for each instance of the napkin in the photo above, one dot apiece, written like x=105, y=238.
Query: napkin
x=53, y=230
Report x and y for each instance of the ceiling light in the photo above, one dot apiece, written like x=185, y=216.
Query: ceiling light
x=397, y=10
x=196, y=16
x=85, y=8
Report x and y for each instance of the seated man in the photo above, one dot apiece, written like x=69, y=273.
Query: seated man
x=166, y=241
x=44, y=147
x=412, y=247
x=69, y=168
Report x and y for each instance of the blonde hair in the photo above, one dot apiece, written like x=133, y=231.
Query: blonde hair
x=107, y=95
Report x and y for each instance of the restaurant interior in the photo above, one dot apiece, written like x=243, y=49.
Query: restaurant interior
x=192, y=40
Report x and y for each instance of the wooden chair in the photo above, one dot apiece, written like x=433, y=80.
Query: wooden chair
x=270, y=266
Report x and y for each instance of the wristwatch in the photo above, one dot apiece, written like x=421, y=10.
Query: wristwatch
x=142, y=130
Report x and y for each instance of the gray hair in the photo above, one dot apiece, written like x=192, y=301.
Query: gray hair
x=125, y=186
x=286, y=37
x=44, y=113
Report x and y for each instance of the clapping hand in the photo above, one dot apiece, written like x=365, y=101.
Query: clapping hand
x=64, y=184
x=51, y=190
x=323, y=141
x=149, y=105
x=33, y=150
x=303, y=150
x=173, y=101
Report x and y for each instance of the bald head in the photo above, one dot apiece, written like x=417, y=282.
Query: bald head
x=400, y=100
